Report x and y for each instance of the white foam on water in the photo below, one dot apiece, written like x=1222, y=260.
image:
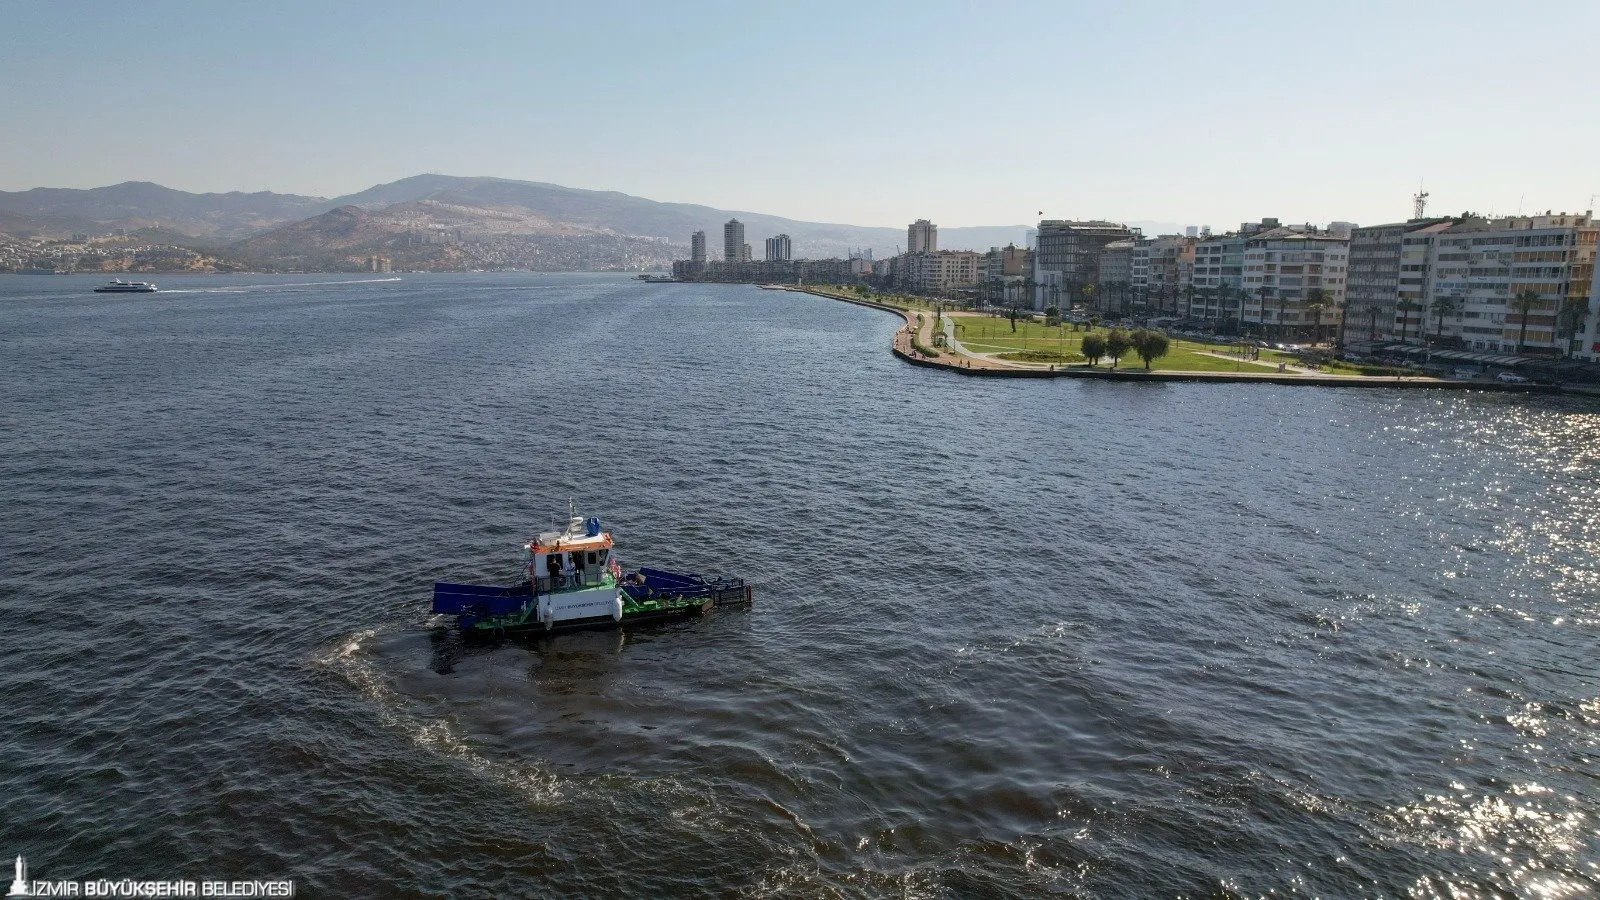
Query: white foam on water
x=436, y=736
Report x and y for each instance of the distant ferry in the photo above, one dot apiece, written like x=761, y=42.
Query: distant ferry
x=118, y=286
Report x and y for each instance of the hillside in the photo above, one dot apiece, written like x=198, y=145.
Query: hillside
x=140, y=204
x=618, y=213
x=450, y=232
x=418, y=220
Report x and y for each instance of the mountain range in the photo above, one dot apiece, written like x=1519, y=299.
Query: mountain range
x=431, y=221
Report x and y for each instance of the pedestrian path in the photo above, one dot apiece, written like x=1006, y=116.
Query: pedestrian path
x=1234, y=357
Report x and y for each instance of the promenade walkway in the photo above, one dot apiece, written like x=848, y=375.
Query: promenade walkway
x=963, y=360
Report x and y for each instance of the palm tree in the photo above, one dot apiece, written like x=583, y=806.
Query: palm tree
x=1316, y=301
x=1573, y=311
x=1442, y=306
x=1405, y=307
x=1265, y=293
x=1523, y=303
x=1283, y=302
x=1188, y=296
x=1372, y=324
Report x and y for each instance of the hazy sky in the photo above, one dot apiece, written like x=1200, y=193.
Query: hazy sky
x=867, y=113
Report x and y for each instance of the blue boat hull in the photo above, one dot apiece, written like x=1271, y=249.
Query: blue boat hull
x=650, y=595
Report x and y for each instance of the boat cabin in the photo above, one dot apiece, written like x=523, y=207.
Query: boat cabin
x=579, y=557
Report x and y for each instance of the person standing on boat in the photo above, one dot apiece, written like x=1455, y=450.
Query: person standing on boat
x=569, y=572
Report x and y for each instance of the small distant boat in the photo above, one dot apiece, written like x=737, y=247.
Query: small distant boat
x=573, y=581
x=118, y=286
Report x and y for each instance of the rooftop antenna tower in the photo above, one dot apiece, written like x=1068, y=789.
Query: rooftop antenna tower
x=1419, y=202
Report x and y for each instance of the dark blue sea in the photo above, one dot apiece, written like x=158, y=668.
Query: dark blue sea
x=1010, y=638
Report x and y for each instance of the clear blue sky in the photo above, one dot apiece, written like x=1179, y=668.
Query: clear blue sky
x=868, y=113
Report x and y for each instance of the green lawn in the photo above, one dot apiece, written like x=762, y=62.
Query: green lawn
x=985, y=334
x=1035, y=342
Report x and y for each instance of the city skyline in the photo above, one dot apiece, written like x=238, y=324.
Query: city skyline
x=230, y=98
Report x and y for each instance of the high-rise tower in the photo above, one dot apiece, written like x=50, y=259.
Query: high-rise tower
x=778, y=249
x=733, y=241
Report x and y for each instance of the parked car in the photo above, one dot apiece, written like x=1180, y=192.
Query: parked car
x=1511, y=378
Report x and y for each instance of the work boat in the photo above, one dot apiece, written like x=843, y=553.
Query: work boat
x=574, y=580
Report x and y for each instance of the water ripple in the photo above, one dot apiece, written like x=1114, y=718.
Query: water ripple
x=1010, y=638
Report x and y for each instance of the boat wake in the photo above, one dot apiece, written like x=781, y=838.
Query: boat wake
x=246, y=288
x=350, y=660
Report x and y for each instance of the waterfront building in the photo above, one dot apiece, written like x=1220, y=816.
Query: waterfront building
x=697, y=247
x=1588, y=344
x=943, y=270
x=1478, y=269
x=778, y=248
x=1218, y=276
x=1380, y=299
x=1156, y=272
x=733, y=245
x=1004, y=272
x=1114, y=277
x=922, y=236
x=789, y=271
x=1068, y=255
x=1009, y=261
x=1284, y=268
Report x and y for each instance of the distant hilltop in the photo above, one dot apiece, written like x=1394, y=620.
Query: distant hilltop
x=433, y=221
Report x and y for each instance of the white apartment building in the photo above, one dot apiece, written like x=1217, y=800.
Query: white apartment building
x=944, y=270
x=1218, y=279
x=1158, y=269
x=1589, y=337
x=1479, y=267
x=1284, y=267
x=1380, y=298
